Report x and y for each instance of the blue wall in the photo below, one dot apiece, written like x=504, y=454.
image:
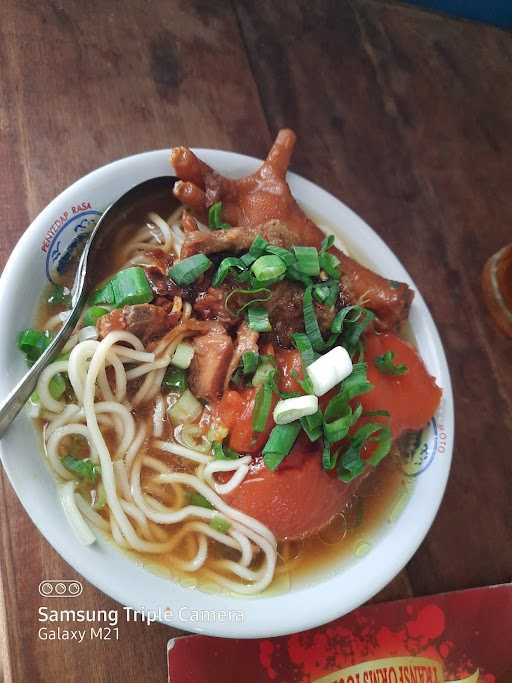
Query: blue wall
x=497, y=12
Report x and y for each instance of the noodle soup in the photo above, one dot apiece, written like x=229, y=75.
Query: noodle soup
x=167, y=418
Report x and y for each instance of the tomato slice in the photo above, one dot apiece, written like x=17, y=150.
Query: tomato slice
x=411, y=398
x=297, y=499
x=234, y=411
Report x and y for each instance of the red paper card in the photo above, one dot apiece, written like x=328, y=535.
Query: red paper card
x=465, y=635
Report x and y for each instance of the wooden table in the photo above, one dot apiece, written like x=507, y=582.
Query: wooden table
x=405, y=115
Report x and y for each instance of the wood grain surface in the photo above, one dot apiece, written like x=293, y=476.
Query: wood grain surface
x=404, y=115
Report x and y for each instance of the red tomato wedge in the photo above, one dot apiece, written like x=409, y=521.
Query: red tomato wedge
x=411, y=398
x=297, y=499
x=235, y=412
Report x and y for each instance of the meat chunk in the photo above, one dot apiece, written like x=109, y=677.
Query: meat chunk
x=213, y=353
x=388, y=299
x=236, y=239
x=143, y=320
x=246, y=340
x=210, y=305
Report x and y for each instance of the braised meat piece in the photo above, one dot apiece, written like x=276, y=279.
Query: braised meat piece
x=246, y=340
x=210, y=305
x=145, y=321
x=213, y=353
x=236, y=239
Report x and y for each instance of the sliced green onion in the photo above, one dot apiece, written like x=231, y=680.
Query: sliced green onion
x=376, y=413
x=247, y=260
x=330, y=264
x=131, y=286
x=93, y=314
x=265, y=372
x=33, y=343
x=293, y=273
x=260, y=295
x=353, y=331
x=291, y=409
x=307, y=261
x=258, y=319
x=280, y=443
x=225, y=267
x=328, y=457
x=103, y=295
x=305, y=348
x=326, y=292
x=250, y=360
x=182, y=357
x=175, y=379
x=258, y=247
x=339, y=418
x=220, y=524
x=186, y=409
x=313, y=425
x=342, y=316
x=312, y=327
x=262, y=406
x=214, y=217
x=57, y=386
x=356, y=383
x=221, y=452
x=59, y=296
x=188, y=270
x=198, y=499
x=84, y=469
x=327, y=243
x=284, y=254
x=351, y=464
x=386, y=365
x=269, y=267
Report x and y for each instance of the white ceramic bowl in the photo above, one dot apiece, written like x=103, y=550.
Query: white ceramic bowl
x=307, y=605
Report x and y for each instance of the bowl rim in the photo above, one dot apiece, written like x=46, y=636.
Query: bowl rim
x=295, y=615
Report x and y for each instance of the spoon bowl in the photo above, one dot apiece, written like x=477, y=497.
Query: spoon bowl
x=83, y=284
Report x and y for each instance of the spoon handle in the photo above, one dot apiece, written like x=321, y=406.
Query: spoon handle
x=17, y=398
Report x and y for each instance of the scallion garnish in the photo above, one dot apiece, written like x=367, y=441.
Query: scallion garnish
x=214, y=217
x=258, y=319
x=266, y=371
x=221, y=452
x=93, y=314
x=284, y=254
x=312, y=327
x=387, y=366
x=255, y=296
x=175, y=379
x=280, y=443
x=327, y=243
x=57, y=386
x=84, y=469
x=220, y=524
x=262, y=406
x=258, y=247
x=225, y=268
x=103, y=295
x=330, y=264
x=131, y=286
x=268, y=268
x=307, y=261
x=313, y=425
x=350, y=464
x=249, y=362
x=293, y=273
x=356, y=383
x=59, y=296
x=198, y=499
x=188, y=270
x=33, y=343
x=305, y=348
x=338, y=418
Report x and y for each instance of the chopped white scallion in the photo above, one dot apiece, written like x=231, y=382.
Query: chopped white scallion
x=329, y=370
x=73, y=514
x=291, y=409
x=183, y=356
x=86, y=333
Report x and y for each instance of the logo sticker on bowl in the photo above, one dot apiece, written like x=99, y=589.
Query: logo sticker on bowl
x=66, y=234
x=423, y=447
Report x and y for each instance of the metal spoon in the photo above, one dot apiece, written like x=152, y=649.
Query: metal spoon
x=82, y=287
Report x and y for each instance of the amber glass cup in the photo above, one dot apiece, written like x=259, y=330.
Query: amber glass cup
x=497, y=288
